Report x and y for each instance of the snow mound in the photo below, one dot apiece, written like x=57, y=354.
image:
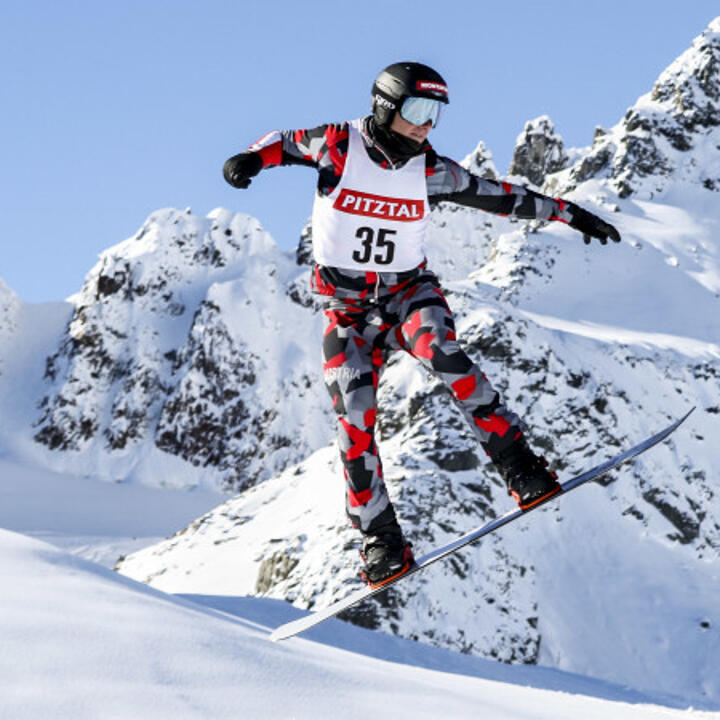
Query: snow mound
x=82, y=642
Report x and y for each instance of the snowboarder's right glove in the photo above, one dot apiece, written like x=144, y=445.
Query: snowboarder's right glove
x=591, y=226
x=239, y=169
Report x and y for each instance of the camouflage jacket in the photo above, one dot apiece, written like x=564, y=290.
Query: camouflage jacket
x=325, y=149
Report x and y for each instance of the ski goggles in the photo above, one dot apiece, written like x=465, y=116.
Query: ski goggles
x=418, y=110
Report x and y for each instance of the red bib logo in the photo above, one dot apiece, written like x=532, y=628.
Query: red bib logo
x=360, y=203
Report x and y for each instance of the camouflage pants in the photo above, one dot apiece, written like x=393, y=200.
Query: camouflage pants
x=357, y=336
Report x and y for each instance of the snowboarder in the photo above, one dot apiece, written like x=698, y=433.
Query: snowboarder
x=377, y=177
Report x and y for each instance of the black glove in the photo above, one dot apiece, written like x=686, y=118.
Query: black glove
x=591, y=226
x=240, y=168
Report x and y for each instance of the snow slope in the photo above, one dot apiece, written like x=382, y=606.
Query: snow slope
x=82, y=642
x=601, y=604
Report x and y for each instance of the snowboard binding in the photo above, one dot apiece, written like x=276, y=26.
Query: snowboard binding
x=386, y=555
x=526, y=475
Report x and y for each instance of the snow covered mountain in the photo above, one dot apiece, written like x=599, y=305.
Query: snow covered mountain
x=539, y=151
x=187, y=340
x=670, y=136
x=191, y=355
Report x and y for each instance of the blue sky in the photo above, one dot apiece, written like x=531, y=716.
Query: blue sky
x=111, y=110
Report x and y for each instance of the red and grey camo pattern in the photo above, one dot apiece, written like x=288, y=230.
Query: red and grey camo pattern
x=413, y=316
x=369, y=313
x=325, y=148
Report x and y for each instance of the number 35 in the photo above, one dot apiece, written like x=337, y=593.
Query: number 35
x=370, y=242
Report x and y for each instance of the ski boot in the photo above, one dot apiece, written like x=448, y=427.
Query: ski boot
x=386, y=555
x=526, y=475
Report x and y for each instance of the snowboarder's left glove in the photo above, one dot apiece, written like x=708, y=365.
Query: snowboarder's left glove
x=591, y=226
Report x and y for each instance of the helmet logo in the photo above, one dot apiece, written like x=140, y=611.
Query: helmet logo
x=431, y=86
x=380, y=100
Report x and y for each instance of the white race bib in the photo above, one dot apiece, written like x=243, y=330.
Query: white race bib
x=376, y=218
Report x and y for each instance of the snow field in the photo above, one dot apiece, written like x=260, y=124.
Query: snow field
x=82, y=642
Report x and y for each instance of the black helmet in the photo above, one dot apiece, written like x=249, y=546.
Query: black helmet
x=403, y=80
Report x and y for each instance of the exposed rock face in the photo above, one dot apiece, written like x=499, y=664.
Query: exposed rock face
x=161, y=351
x=480, y=162
x=204, y=419
x=668, y=133
x=538, y=151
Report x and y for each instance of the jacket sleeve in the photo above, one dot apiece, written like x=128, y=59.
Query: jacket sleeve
x=451, y=182
x=297, y=147
x=323, y=148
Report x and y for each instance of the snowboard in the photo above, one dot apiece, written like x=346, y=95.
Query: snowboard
x=304, y=623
